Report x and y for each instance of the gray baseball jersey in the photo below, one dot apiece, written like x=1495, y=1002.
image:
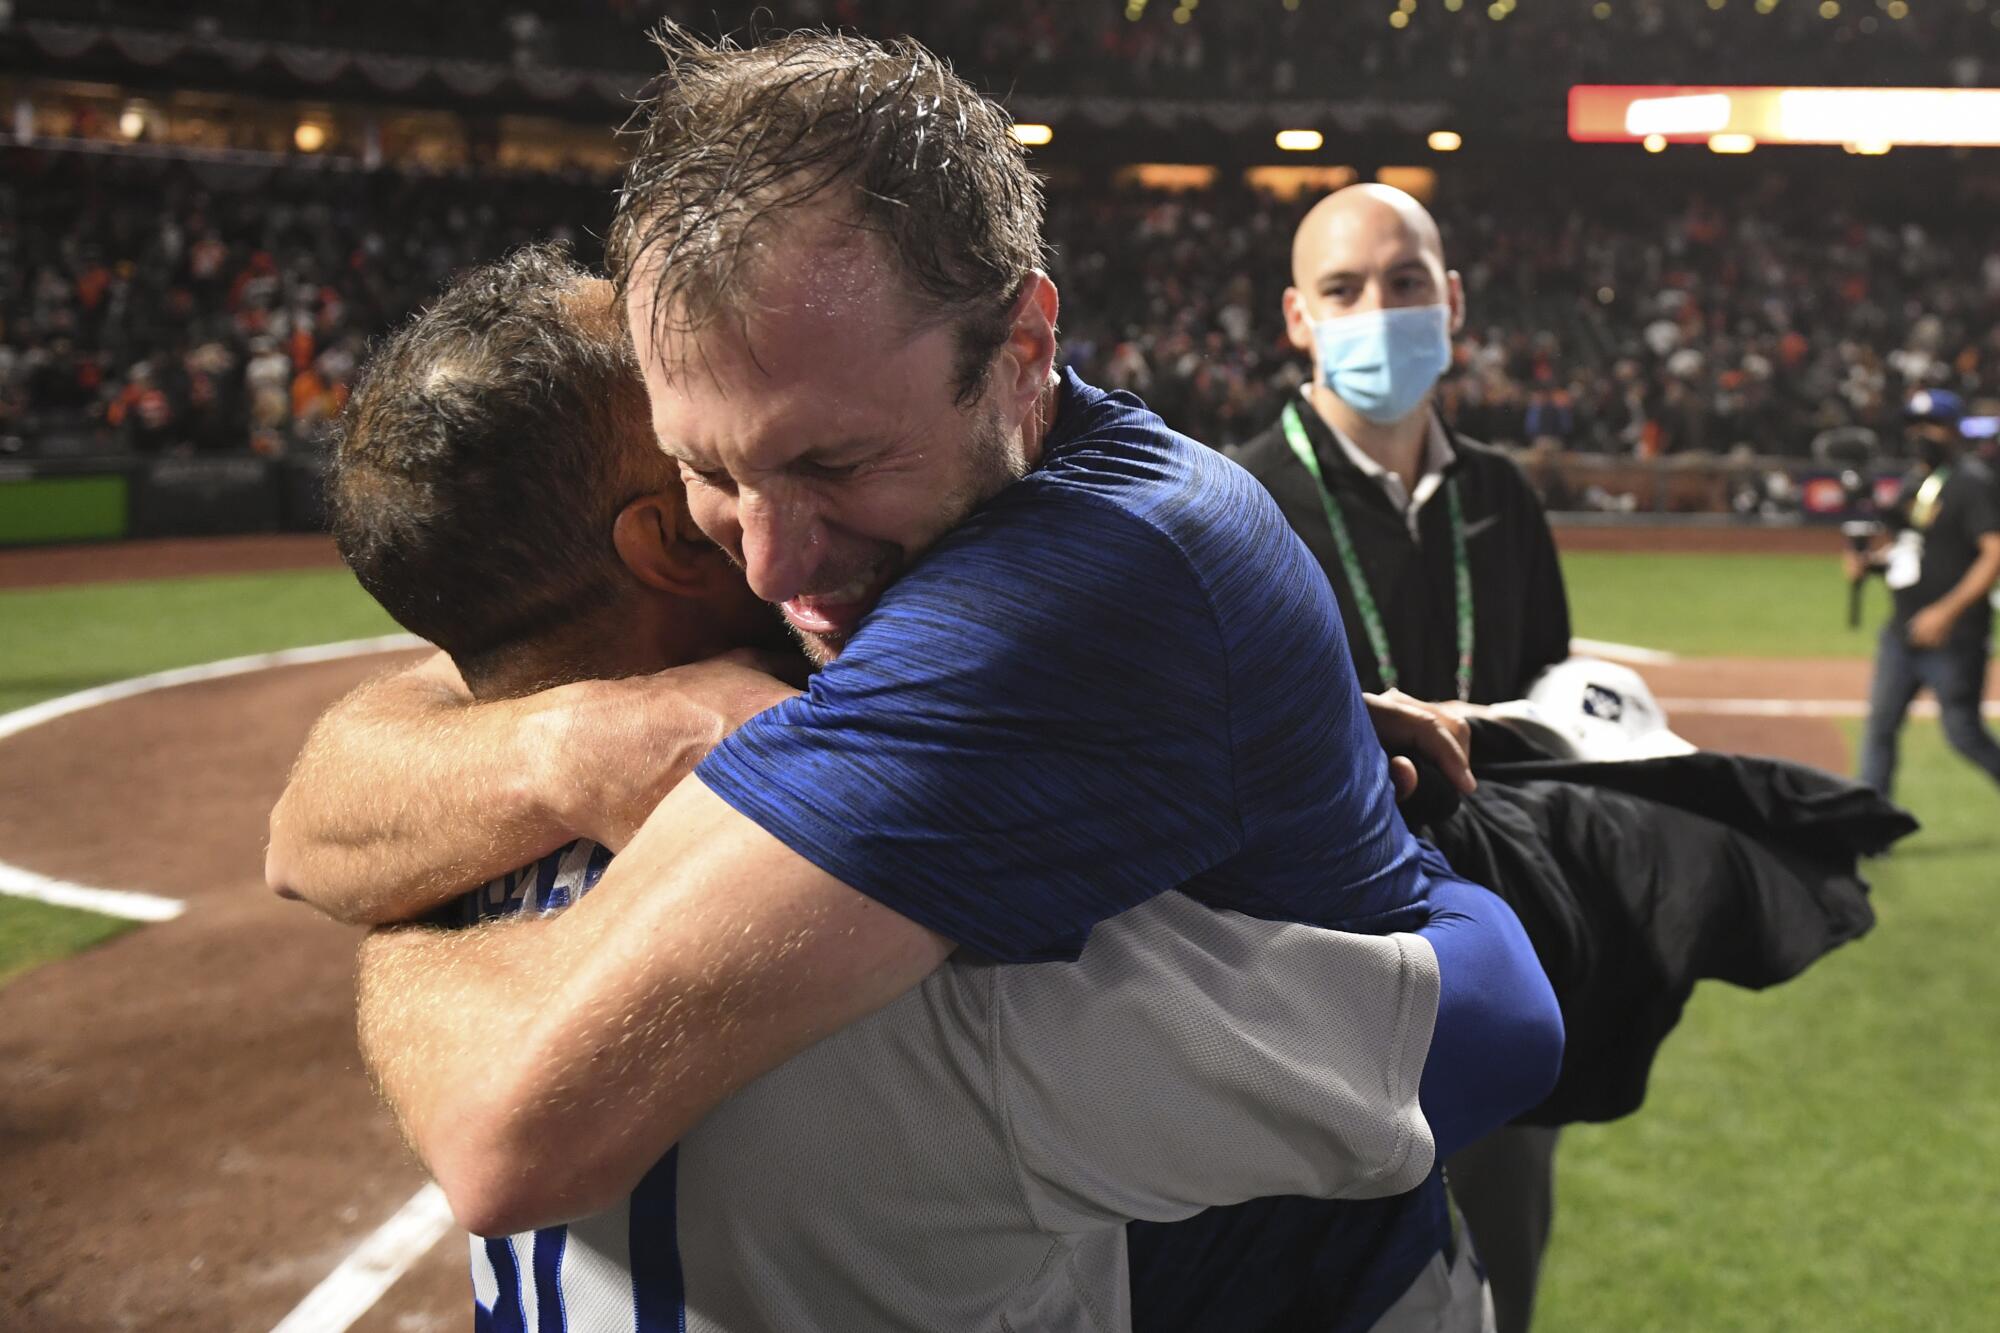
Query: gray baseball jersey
x=967, y=1157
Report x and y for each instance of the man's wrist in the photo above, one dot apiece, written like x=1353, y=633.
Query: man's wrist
x=544, y=791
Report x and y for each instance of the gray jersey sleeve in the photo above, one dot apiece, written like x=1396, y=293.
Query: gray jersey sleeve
x=1196, y=1057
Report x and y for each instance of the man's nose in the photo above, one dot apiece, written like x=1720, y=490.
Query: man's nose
x=781, y=545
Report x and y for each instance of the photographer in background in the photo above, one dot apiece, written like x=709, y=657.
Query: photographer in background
x=1940, y=565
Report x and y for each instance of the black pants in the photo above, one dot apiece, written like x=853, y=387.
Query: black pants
x=1505, y=1185
x=1955, y=673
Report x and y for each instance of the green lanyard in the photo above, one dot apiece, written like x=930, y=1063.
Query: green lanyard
x=1357, y=582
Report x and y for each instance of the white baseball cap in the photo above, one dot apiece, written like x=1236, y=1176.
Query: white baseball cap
x=1596, y=710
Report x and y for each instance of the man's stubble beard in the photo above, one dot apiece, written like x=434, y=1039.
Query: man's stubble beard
x=997, y=462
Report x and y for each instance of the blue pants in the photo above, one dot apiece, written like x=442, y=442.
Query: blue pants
x=1955, y=673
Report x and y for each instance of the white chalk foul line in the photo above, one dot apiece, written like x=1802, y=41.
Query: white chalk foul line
x=133, y=906
x=34, y=715
x=1622, y=652
x=352, y=1289
x=17, y=882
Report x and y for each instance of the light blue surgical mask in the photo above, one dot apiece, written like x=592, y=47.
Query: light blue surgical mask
x=1381, y=363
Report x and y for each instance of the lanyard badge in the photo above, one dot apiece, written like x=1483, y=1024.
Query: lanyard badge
x=1923, y=509
x=1357, y=581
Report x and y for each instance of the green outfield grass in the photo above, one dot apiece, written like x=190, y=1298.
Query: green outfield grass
x=1721, y=605
x=1819, y=1156
x=32, y=933
x=62, y=639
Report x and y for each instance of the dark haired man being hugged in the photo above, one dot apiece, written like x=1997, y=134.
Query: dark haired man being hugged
x=1072, y=662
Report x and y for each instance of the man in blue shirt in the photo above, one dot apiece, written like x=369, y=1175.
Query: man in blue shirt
x=1072, y=660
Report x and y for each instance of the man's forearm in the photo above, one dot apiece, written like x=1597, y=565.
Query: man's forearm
x=406, y=794
x=451, y=1026
x=542, y=1067
x=431, y=1003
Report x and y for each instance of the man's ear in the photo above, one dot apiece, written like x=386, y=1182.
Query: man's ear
x=1455, y=289
x=1298, y=325
x=658, y=542
x=1028, y=357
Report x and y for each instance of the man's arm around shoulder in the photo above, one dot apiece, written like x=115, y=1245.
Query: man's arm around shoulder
x=540, y=1068
x=408, y=792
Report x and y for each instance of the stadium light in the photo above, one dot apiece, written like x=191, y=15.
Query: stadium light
x=1300, y=141
x=1699, y=113
x=1959, y=117
x=1445, y=141
x=1655, y=143
x=1033, y=136
x=1732, y=143
x=309, y=137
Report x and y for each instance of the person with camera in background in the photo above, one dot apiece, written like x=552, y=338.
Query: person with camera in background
x=1940, y=556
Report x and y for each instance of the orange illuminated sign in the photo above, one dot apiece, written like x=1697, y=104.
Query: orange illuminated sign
x=1938, y=117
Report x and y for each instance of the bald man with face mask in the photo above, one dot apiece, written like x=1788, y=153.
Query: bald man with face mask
x=1439, y=555
x=1435, y=544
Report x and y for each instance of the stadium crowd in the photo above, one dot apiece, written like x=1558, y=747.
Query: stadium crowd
x=1602, y=323
x=156, y=308
x=1248, y=48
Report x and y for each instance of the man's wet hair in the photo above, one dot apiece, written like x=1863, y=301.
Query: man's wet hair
x=733, y=139
x=487, y=450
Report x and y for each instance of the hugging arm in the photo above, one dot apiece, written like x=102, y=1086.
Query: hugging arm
x=408, y=792
x=1498, y=1044
x=540, y=1067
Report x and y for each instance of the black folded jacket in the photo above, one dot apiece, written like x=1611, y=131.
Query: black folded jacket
x=1637, y=879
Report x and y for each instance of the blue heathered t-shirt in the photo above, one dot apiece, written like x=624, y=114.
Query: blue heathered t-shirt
x=1122, y=675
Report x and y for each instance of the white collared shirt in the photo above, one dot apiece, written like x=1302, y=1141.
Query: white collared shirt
x=1438, y=455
